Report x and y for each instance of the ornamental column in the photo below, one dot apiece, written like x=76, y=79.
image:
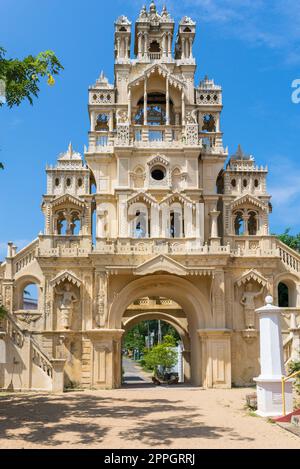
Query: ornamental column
x=145, y=102
x=214, y=238
x=140, y=46
x=169, y=46
x=129, y=106
x=167, y=102
x=183, y=48
x=269, y=396
x=191, y=47
x=183, y=107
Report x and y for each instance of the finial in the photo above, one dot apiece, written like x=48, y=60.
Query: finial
x=70, y=149
x=101, y=75
x=152, y=7
x=269, y=300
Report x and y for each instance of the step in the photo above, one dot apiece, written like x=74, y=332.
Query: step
x=295, y=420
x=286, y=418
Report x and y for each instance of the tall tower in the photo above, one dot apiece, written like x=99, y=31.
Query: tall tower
x=155, y=146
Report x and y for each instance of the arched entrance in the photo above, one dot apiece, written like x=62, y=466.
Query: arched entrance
x=190, y=299
x=171, y=314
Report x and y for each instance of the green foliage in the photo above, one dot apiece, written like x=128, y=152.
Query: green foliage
x=295, y=366
x=22, y=77
x=160, y=356
x=293, y=241
x=2, y=312
x=135, y=337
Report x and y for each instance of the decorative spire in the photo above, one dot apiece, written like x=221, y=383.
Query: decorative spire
x=152, y=7
x=164, y=12
x=70, y=149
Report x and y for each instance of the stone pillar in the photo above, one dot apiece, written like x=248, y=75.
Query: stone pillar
x=200, y=222
x=145, y=102
x=269, y=397
x=58, y=375
x=191, y=47
x=216, y=357
x=111, y=121
x=140, y=46
x=106, y=358
x=122, y=216
x=129, y=105
x=188, y=213
x=165, y=221
x=154, y=221
x=183, y=107
x=167, y=102
x=169, y=45
x=214, y=239
x=183, y=48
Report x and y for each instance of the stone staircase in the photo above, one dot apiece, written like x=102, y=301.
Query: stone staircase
x=29, y=367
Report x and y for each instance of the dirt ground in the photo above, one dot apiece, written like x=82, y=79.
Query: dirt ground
x=137, y=417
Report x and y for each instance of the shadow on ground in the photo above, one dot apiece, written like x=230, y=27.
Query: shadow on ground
x=48, y=420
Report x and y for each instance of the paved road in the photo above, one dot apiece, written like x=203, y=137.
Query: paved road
x=133, y=374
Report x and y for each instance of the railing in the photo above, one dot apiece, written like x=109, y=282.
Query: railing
x=289, y=257
x=154, y=55
x=17, y=336
x=63, y=252
x=25, y=256
x=40, y=359
x=159, y=247
x=14, y=331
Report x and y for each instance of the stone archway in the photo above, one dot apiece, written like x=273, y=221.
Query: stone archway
x=187, y=295
x=175, y=323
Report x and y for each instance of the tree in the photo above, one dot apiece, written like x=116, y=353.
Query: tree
x=293, y=241
x=161, y=357
x=20, y=78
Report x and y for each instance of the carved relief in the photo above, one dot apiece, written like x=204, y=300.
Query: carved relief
x=248, y=304
x=66, y=305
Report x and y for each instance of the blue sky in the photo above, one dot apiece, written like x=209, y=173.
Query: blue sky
x=251, y=48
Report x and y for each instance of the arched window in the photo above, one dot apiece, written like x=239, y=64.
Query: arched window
x=156, y=110
x=283, y=295
x=209, y=123
x=176, y=221
x=154, y=47
x=140, y=228
x=75, y=225
x=239, y=224
x=102, y=123
x=30, y=296
x=252, y=223
x=62, y=225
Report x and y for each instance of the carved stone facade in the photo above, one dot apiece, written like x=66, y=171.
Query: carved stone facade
x=149, y=224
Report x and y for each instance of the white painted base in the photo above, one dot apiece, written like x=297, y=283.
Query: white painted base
x=269, y=397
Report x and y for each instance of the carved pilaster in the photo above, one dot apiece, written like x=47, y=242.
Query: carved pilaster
x=100, y=315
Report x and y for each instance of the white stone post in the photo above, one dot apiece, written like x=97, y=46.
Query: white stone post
x=214, y=239
x=180, y=364
x=269, y=396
